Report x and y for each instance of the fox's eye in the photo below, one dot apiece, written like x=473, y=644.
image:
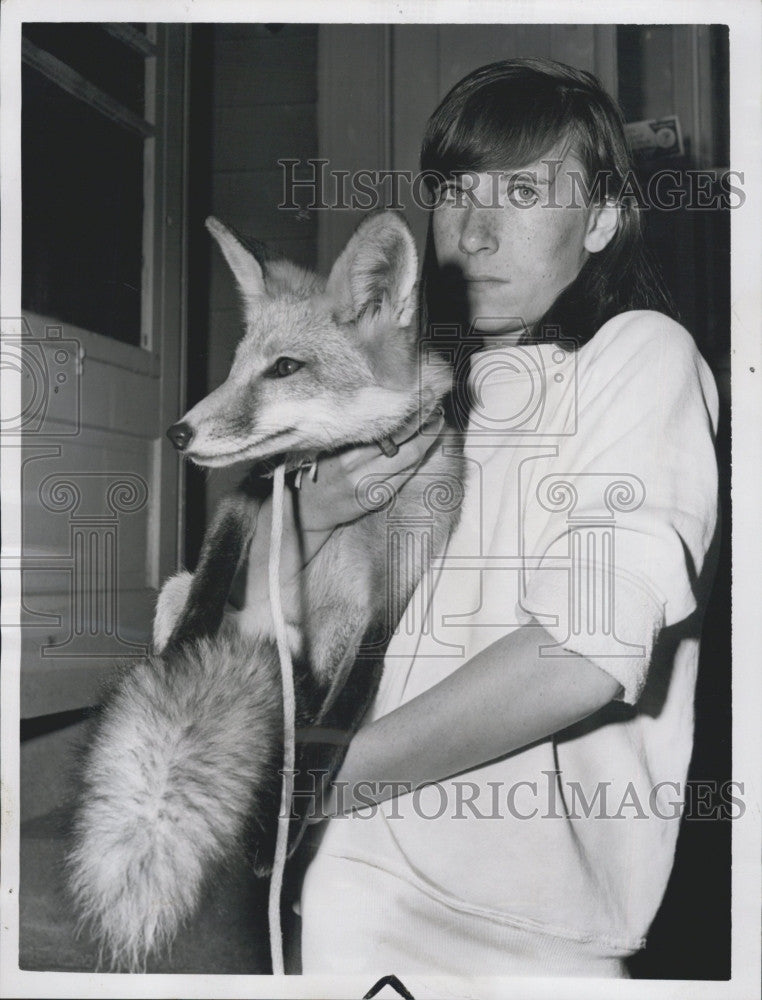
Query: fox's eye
x=284, y=367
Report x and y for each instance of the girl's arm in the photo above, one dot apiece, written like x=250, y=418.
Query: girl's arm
x=648, y=409
x=504, y=698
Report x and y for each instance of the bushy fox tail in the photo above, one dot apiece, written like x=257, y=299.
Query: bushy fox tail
x=170, y=782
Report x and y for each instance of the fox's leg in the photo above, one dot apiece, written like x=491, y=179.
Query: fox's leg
x=323, y=746
x=231, y=530
x=344, y=685
x=321, y=742
x=261, y=830
x=327, y=716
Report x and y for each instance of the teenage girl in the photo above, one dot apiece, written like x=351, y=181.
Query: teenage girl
x=529, y=744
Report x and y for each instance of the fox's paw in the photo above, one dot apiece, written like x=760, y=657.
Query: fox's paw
x=172, y=599
x=261, y=830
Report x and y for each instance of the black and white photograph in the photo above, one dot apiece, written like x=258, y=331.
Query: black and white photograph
x=381, y=446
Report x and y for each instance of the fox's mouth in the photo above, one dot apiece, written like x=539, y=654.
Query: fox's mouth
x=248, y=452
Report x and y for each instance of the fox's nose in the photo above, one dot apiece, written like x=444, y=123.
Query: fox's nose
x=180, y=435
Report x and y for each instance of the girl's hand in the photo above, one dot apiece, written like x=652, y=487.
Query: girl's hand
x=332, y=499
x=323, y=505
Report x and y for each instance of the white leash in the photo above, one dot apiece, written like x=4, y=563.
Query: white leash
x=289, y=723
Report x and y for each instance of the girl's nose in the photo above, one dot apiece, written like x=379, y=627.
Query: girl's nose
x=477, y=234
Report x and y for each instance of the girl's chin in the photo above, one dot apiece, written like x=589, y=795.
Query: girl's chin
x=513, y=326
x=490, y=317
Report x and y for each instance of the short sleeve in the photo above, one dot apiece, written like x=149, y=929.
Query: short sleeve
x=623, y=524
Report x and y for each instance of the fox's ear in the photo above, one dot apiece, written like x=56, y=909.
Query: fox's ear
x=377, y=267
x=243, y=264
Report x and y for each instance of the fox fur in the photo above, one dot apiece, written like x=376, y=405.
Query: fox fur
x=182, y=770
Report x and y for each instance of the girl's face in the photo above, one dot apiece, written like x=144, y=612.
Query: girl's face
x=513, y=241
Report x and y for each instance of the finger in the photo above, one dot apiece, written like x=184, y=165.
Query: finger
x=358, y=461
x=397, y=479
x=383, y=491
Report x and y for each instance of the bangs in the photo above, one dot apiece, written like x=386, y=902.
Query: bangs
x=503, y=124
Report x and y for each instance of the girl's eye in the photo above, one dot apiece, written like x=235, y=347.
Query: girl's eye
x=522, y=195
x=284, y=367
x=450, y=192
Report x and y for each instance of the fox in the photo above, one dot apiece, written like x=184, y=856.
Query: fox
x=182, y=772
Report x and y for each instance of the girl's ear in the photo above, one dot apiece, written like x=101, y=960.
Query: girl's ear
x=376, y=270
x=601, y=227
x=244, y=265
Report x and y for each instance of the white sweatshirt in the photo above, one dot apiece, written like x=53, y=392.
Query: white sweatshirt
x=590, y=507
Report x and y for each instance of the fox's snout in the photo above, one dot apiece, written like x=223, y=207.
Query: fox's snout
x=181, y=435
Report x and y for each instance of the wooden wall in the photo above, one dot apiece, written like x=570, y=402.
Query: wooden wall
x=385, y=80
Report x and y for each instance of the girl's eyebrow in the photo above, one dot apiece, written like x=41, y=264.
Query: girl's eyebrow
x=531, y=176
